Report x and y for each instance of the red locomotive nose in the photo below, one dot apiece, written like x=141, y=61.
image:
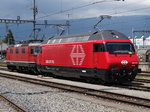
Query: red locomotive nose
x=123, y=62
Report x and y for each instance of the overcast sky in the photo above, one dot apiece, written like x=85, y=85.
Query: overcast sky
x=47, y=9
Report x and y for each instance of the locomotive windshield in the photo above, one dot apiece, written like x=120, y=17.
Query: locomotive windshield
x=35, y=50
x=120, y=48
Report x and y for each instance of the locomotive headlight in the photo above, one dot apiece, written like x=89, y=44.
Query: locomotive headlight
x=113, y=66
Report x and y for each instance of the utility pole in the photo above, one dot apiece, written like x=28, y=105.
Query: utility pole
x=6, y=24
x=35, y=11
x=33, y=21
x=68, y=24
x=1, y=48
x=133, y=38
x=14, y=21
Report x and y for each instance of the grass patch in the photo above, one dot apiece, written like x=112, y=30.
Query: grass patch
x=2, y=63
x=140, y=77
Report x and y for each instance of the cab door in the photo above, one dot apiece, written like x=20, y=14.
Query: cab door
x=34, y=50
x=39, y=56
x=99, y=57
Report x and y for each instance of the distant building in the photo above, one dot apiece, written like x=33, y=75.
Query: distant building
x=142, y=43
x=3, y=48
x=142, y=46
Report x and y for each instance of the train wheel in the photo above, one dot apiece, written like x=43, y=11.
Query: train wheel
x=11, y=69
x=34, y=71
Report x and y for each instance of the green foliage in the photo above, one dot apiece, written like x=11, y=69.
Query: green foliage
x=9, y=38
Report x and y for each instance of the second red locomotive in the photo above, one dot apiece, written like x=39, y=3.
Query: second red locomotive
x=106, y=55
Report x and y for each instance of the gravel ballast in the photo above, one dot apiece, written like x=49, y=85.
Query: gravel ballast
x=36, y=98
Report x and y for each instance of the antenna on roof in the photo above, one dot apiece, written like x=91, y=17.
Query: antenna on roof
x=102, y=17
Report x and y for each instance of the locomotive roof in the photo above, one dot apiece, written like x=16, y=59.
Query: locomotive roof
x=99, y=35
x=27, y=43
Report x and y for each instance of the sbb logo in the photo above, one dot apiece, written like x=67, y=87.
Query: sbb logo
x=124, y=62
x=77, y=55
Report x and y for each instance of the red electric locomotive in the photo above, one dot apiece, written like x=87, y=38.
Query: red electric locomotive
x=23, y=56
x=106, y=55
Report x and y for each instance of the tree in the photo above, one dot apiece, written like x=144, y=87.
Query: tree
x=9, y=38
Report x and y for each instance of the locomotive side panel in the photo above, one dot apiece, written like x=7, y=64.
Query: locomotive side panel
x=75, y=58
x=21, y=59
x=72, y=55
x=88, y=56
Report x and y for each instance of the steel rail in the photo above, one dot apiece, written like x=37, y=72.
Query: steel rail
x=89, y=91
x=12, y=104
x=134, y=87
x=128, y=86
x=143, y=75
x=142, y=80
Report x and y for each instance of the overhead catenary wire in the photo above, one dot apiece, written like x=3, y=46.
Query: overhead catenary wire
x=137, y=3
x=113, y=14
x=116, y=23
x=129, y=11
x=78, y=7
x=104, y=25
x=82, y=6
x=116, y=13
x=124, y=12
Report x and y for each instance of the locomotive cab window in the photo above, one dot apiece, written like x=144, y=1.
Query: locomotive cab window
x=35, y=50
x=98, y=48
x=120, y=48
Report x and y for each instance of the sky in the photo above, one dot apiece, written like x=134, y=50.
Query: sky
x=72, y=9
x=57, y=9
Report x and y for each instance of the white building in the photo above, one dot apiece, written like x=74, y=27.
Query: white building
x=142, y=43
x=3, y=46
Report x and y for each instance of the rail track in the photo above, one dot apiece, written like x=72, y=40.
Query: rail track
x=134, y=86
x=142, y=80
x=128, y=86
x=11, y=104
x=88, y=90
x=144, y=74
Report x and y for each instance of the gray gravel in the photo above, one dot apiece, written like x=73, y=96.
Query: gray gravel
x=37, y=98
x=5, y=107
